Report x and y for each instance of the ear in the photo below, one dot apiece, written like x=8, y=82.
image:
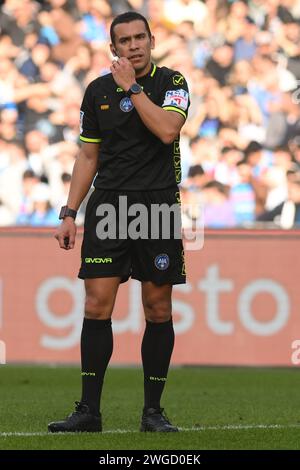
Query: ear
x=113, y=50
x=152, y=42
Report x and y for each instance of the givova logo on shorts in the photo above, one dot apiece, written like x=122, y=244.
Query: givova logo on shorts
x=98, y=260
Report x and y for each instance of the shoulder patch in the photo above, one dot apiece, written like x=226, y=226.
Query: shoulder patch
x=178, y=80
x=81, y=114
x=178, y=98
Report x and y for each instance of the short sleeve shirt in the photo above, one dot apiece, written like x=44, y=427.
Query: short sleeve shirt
x=131, y=157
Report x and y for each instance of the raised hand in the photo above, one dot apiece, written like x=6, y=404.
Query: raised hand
x=123, y=73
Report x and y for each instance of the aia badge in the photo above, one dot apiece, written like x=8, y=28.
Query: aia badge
x=162, y=262
x=126, y=105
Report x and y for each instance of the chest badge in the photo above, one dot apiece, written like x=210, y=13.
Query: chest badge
x=126, y=104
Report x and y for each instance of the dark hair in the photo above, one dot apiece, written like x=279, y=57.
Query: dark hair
x=29, y=174
x=285, y=15
x=244, y=161
x=227, y=149
x=282, y=148
x=127, y=17
x=220, y=187
x=253, y=147
x=195, y=170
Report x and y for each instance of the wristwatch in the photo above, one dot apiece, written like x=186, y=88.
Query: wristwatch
x=65, y=211
x=135, y=89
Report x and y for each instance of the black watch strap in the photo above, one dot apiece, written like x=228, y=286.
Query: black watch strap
x=135, y=89
x=65, y=211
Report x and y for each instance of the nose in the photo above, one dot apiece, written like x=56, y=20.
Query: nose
x=133, y=44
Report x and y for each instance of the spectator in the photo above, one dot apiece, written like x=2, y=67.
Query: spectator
x=11, y=177
x=241, y=59
x=10, y=129
x=30, y=180
x=42, y=214
x=243, y=195
x=287, y=213
x=31, y=67
x=196, y=177
x=245, y=46
x=176, y=11
x=19, y=19
x=253, y=155
x=220, y=65
x=226, y=169
x=218, y=209
x=6, y=216
x=275, y=177
x=69, y=39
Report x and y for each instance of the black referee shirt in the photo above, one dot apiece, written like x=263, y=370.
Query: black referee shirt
x=131, y=157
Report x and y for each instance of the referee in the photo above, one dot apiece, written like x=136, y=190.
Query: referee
x=130, y=124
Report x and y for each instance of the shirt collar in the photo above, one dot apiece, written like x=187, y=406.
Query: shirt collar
x=150, y=74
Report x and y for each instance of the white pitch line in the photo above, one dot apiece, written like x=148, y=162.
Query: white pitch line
x=233, y=427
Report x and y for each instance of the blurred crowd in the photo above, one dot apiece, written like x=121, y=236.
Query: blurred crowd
x=240, y=145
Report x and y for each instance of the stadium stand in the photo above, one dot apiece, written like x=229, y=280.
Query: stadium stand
x=242, y=62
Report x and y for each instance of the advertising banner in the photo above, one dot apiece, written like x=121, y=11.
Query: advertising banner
x=240, y=305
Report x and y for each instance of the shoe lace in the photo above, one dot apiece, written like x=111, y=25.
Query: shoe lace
x=164, y=416
x=80, y=408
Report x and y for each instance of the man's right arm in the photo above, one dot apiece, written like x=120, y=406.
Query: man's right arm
x=84, y=171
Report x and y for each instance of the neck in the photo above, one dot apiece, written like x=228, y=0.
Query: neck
x=144, y=71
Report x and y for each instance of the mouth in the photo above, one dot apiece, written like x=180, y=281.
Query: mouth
x=136, y=57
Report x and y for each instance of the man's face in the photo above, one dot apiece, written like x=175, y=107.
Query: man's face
x=133, y=42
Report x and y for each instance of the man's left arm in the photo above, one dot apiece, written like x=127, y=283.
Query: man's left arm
x=164, y=123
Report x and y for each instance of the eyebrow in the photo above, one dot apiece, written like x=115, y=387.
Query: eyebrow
x=134, y=36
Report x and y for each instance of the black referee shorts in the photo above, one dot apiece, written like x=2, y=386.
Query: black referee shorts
x=109, y=250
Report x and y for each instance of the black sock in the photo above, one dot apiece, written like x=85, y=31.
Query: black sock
x=96, y=351
x=157, y=347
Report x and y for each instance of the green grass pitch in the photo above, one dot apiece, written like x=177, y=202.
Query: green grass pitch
x=216, y=408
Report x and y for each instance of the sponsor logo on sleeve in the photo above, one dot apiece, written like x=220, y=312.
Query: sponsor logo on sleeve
x=81, y=114
x=178, y=98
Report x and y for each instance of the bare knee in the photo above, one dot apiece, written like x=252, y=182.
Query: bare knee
x=97, y=308
x=157, y=310
x=100, y=297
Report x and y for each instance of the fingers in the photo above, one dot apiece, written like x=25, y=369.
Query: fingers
x=116, y=62
x=61, y=241
x=65, y=240
x=114, y=66
x=71, y=241
x=120, y=62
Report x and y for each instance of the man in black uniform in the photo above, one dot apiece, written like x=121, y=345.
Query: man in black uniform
x=130, y=125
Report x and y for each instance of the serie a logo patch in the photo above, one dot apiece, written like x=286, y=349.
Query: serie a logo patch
x=126, y=104
x=162, y=262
